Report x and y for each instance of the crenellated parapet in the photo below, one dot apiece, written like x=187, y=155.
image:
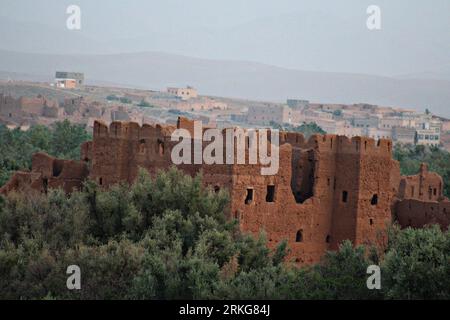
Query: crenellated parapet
x=130, y=130
x=328, y=188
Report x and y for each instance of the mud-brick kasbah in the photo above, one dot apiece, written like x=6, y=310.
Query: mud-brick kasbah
x=328, y=188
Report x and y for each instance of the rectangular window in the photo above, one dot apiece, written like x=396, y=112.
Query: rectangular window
x=249, y=197
x=270, y=197
x=344, y=196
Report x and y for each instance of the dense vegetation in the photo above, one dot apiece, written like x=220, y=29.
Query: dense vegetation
x=145, y=104
x=61, y=140
x=113, y=97
x=307, y=129
x=167, y=238
x=438, y=160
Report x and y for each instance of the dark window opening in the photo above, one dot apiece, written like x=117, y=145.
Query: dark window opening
x=434, y=191
x=142, y=146
x=270, y=193
x=371, y=221
x=45, y=184
x=249, y=197
x=344, y=196
x=303, y=177
x=299, y=236
x=216, y=189
x=57, y=168
x=328, y=239
x=328, y=181
x=374, y=200
x=160, y=147
x=100, y=181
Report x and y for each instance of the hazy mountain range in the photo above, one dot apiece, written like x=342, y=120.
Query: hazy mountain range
x=240, y=79
x=265, y=50
x=317, y=41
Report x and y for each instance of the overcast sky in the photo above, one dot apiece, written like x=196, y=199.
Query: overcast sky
x=318, y=35
x=112, y=18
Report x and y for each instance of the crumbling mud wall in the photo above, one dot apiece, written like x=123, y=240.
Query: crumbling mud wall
x=421, y=201
x=118, y=151
x=11, y=108
x=426, y=186
x=48, y=172
x=328, y=188
x=417, y=214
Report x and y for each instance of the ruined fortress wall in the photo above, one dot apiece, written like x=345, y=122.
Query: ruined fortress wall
x=25, y=107
x=48, y=172
x=280, y=216
x=416, y=213
x=17, y=181
x=361, y=188
x=56, y=173
x=328, y=188
x=426, y=186
x=9, y=107
x=321, y=194
x=316, y=216
x=345, y=191
x=375, y=191
x=32, y=105
x=119, y=151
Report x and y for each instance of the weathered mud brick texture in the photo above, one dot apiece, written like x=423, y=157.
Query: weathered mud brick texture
x=328, y=188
